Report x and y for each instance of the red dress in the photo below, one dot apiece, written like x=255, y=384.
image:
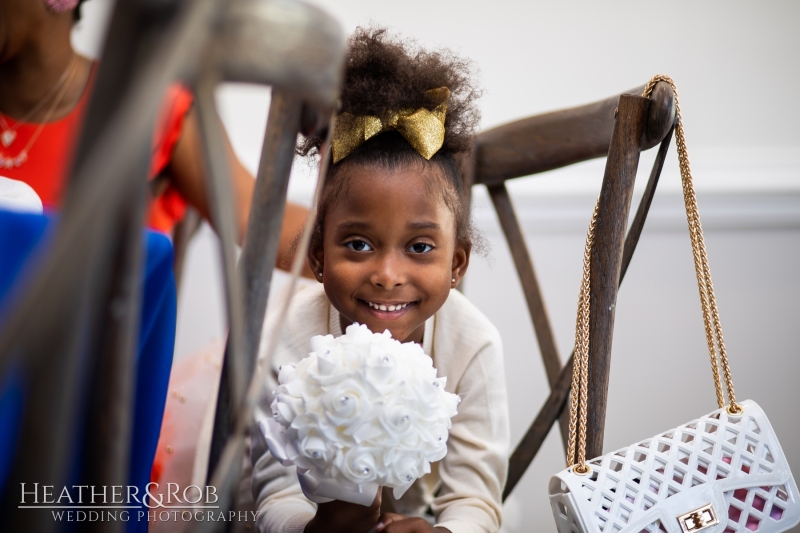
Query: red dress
x=50, y=156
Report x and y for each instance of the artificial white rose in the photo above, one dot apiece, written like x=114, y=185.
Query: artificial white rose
x=345, y=404
x=405, y=467
x=282, y=409
x=362, y=410
x=316, y=449
x=398, y=419
x=359, y=465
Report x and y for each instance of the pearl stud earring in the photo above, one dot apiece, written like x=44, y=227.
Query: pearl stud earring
x=453, y=280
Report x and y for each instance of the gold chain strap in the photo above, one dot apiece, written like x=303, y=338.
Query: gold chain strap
x=580, y=363
x=713, y=327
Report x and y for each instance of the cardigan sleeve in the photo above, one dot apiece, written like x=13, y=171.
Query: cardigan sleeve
x=473, y=473
x=280, y=503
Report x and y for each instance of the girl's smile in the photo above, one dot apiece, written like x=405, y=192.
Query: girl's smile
x=387, y=310
x=389, y=251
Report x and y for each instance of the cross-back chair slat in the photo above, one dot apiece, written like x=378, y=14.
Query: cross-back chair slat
x=619, y=127
x=612, y=219
x=530, y=287
x=534, y=437
x=182, y=235
x=259, y=254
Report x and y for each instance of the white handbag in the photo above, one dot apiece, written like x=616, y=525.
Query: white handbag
x=722, y=473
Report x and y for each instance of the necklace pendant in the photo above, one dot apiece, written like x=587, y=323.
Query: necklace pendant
x=7, y=137
x=11, y=162
x=21, y=158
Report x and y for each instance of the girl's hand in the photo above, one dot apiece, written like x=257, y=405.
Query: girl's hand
x=344, y=517
x=398, y=523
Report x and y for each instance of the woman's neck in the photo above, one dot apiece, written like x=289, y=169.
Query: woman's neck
x=35, y=69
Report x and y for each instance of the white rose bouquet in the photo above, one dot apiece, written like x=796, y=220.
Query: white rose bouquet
x=360, y=412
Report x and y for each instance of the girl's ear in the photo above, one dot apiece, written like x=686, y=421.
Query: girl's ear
x=460, y=262
x=316, y=260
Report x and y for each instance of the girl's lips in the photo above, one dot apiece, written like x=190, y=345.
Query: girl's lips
x=382, y=310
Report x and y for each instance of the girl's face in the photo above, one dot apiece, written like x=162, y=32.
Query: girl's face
x=389, y=252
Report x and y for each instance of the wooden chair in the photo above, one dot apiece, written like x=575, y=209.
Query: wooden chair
x=72, y=331
x=182, y=235
x=619, y=128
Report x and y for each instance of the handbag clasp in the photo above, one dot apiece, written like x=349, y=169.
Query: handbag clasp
x=699, y=519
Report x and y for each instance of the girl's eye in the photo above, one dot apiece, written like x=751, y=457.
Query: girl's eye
x=420, y=248
x=359, y=246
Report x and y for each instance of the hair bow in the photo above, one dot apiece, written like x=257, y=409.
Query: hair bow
x=422, y=128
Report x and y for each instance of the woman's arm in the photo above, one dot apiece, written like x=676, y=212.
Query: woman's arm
x=187, y=173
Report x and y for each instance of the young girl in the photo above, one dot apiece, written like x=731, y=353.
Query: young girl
x=392, y=242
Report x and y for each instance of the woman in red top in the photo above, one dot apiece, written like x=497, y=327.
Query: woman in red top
x=44, y=90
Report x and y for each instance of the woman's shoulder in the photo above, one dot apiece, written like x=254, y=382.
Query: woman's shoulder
x=462, y=325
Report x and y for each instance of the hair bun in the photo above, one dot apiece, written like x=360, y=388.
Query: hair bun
x=385, y=74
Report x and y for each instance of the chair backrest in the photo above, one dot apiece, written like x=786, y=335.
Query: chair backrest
x=619, y=128
x=74, y=328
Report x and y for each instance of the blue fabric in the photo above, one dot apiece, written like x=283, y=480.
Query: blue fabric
x=156, y=344
x=21, y=237
x=12, y=395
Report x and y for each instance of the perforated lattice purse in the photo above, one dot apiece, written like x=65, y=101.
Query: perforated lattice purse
x=722, y=473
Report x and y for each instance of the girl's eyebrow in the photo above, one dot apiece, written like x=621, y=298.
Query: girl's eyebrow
x=424, y=225
x=359, y=224
x=354, y=224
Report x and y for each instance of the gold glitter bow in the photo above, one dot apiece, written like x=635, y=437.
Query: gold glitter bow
x=422, y=128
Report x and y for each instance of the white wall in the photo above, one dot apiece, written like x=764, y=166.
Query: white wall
x=736, y=65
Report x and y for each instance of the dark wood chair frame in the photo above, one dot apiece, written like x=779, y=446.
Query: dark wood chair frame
x=619, y=128
x=73, y=327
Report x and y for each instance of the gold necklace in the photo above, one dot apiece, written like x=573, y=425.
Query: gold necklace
x=9, y=134
x=22, y=156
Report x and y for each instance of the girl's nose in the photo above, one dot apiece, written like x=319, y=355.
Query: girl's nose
x=388, y=273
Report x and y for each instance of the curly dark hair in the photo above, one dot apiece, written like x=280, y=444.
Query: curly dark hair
x=383, y=74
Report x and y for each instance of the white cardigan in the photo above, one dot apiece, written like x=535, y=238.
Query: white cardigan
x=465, y=348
